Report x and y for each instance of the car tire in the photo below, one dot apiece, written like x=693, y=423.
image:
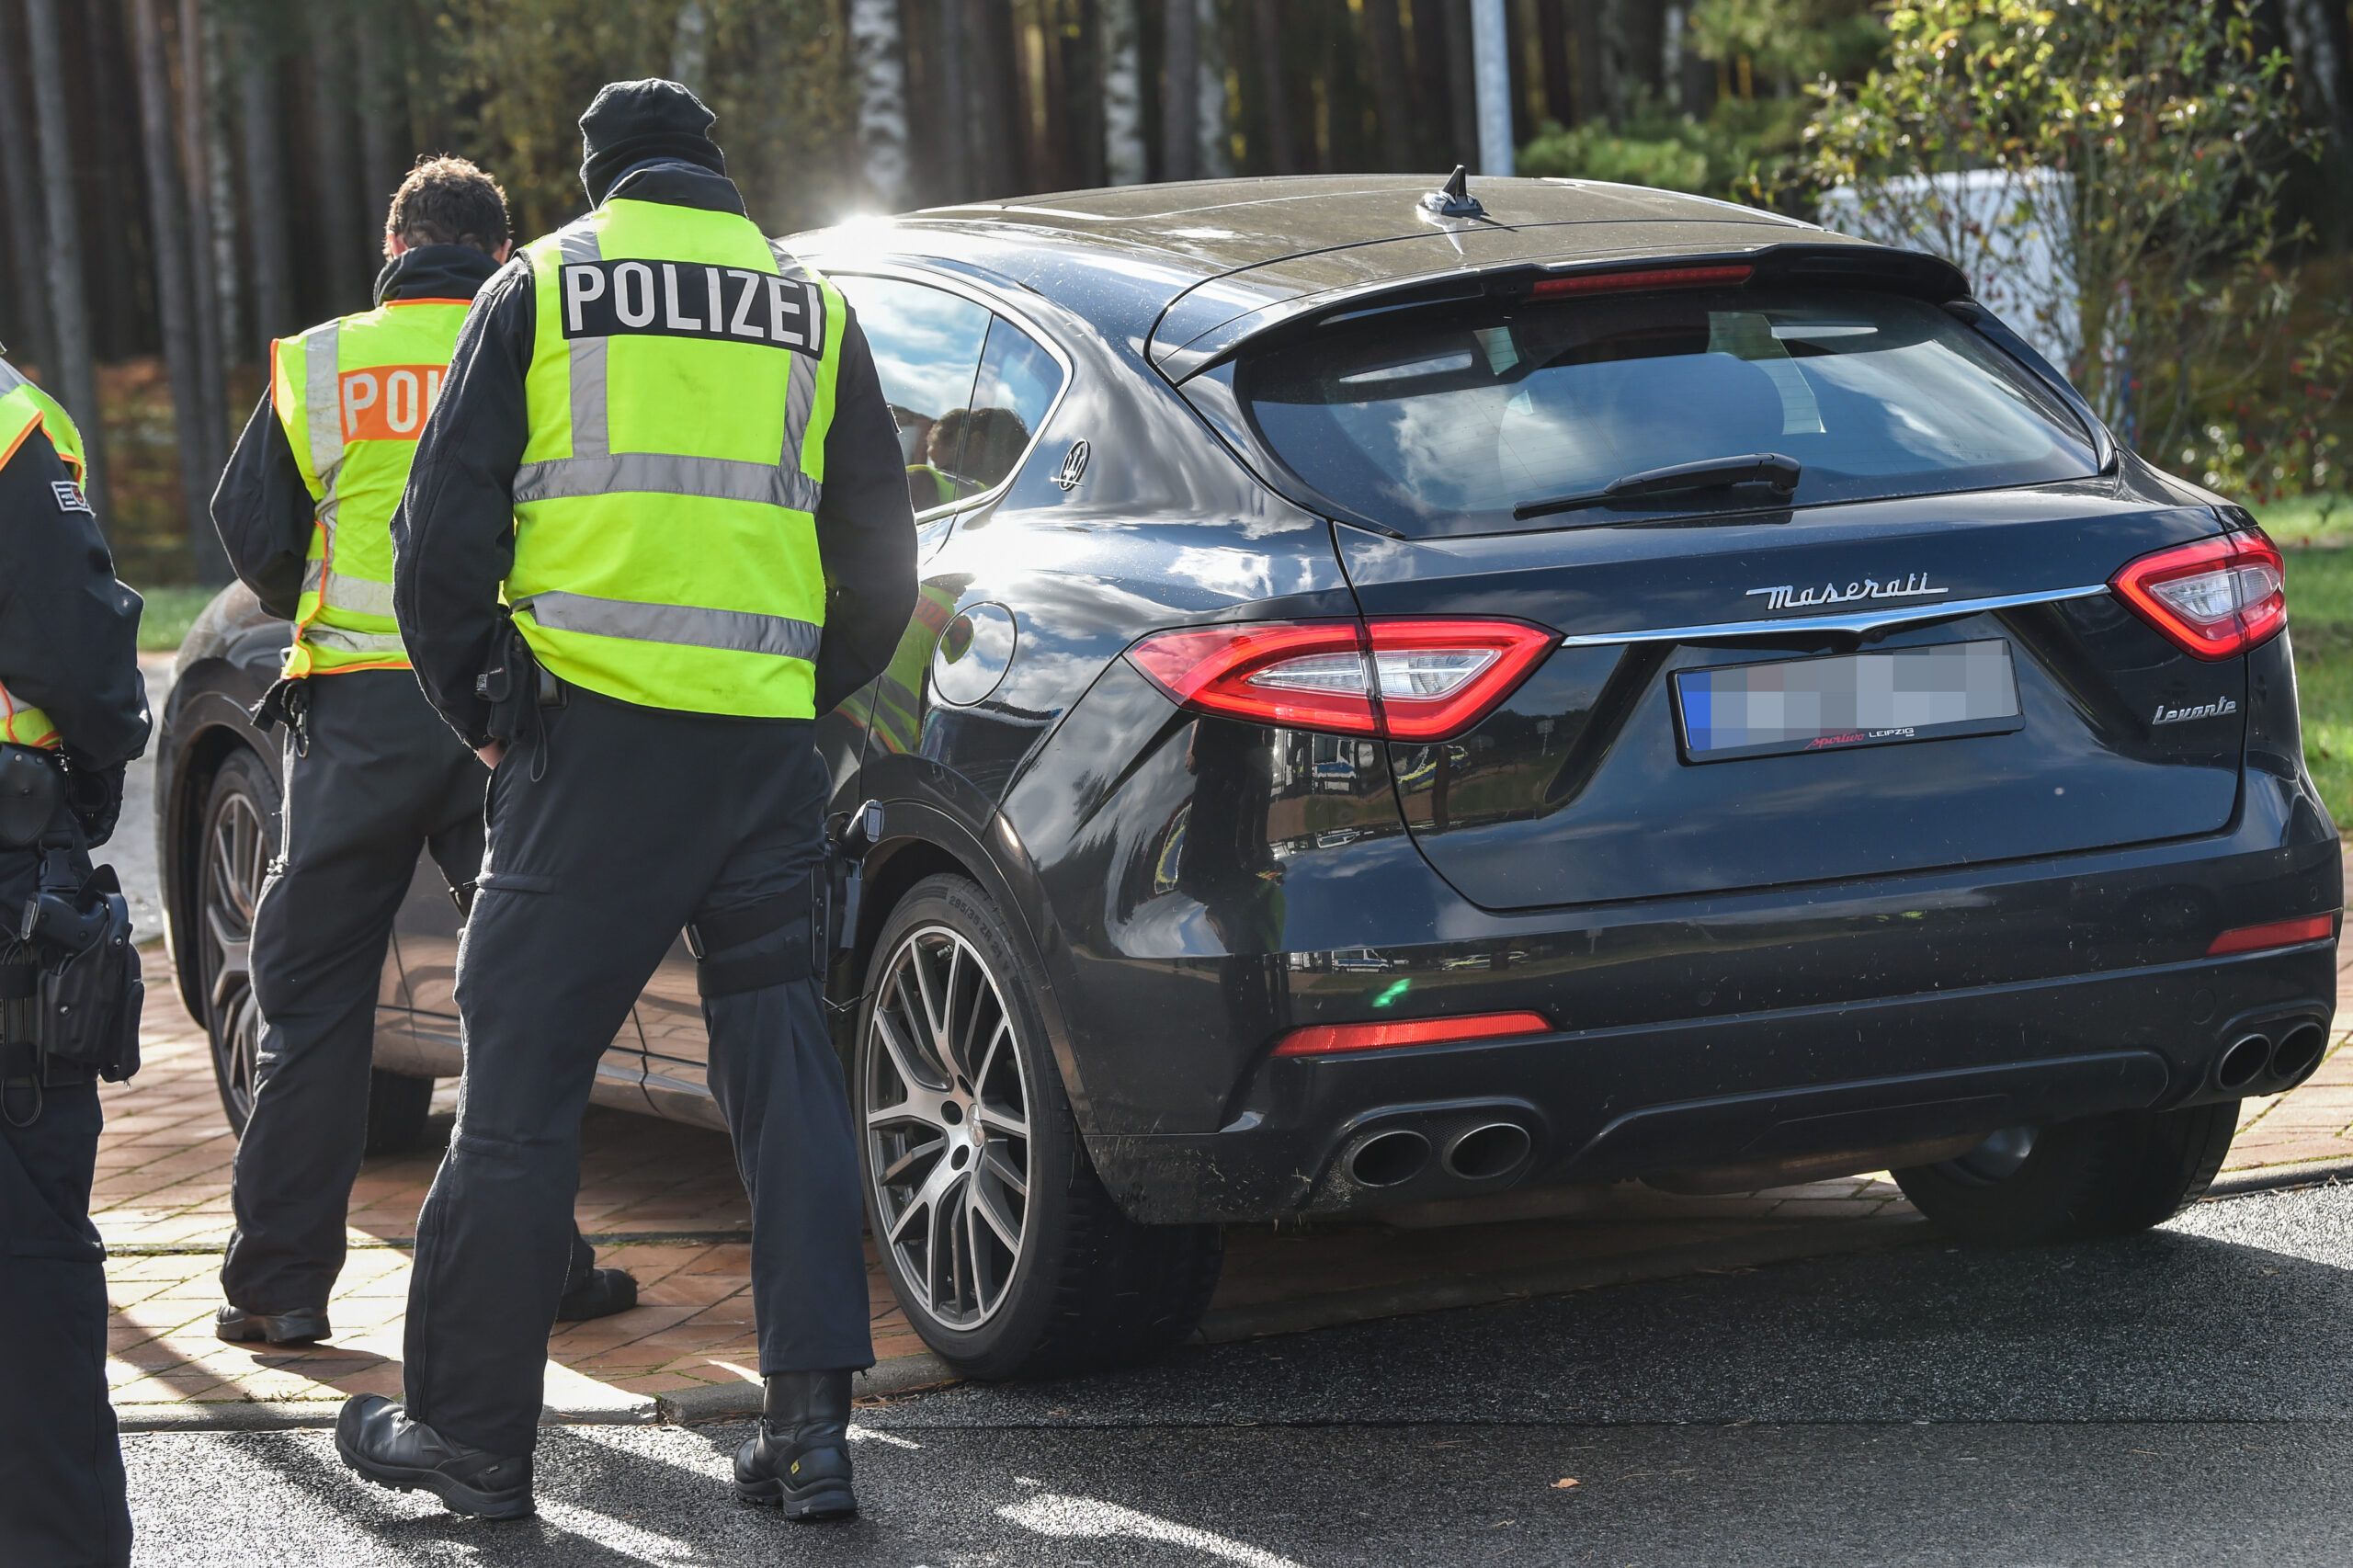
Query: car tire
x=2100, y=1177
x=239, y=840
x=241, y=836
x=950, y=1133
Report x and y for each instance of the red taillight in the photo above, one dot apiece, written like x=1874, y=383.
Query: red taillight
x=1325, y=1039
x=2216, y=598
x=1648, y=277
x=2279, y=934
x=1408, y=681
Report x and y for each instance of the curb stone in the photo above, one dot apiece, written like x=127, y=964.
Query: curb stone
x=738, y=1401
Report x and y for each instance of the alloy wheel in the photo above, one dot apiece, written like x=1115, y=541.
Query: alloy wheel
x=237, y=859
x=946, y=1123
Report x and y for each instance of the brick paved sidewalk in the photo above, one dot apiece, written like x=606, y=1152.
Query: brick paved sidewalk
x=162, y=1203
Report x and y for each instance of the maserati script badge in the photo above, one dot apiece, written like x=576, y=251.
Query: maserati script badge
x=1788, y=596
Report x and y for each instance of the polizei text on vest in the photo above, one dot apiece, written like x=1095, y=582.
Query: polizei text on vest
x=689, y=299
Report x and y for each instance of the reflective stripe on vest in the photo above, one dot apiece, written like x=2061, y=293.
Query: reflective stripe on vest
x=680, y=391
x=353, y=401
x=25, y=724
x=25, y=408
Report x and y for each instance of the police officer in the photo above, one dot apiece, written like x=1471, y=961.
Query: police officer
x=73, y=711
x=664, y=446
x=372, y=776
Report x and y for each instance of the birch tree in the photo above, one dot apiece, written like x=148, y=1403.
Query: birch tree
x=881, y=60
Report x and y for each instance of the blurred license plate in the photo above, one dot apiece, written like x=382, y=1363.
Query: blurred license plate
x=1849, y=699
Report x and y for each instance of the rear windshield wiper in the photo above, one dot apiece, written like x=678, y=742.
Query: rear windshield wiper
x=1715, y=473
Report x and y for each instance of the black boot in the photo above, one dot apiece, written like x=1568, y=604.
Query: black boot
x=604, y=1292
x=239, y=1326
x=800, y=1459
x=376, y=1438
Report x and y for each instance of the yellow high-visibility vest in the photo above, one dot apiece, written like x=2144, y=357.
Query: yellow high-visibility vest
x=680, y=391
x=352, y=395
x=25, y=408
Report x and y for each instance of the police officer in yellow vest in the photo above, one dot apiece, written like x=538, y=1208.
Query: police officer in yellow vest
x=372, y=776
x=663, y=451
x=73, y=711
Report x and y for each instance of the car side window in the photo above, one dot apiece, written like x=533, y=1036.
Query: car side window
x=927, y=346
x=1017, y=386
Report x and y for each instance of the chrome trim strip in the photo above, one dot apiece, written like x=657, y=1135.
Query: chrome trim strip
x=1869, y=621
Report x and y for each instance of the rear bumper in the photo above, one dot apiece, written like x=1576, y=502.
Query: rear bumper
x=1667, y=1099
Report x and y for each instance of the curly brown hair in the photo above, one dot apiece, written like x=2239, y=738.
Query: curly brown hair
x=448, y=201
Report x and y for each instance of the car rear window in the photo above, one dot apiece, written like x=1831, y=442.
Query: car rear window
x=1442, y=420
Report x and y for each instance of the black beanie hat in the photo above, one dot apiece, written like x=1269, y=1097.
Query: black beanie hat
x=634, y=121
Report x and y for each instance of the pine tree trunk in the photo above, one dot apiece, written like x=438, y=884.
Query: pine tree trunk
x=1395, y=110
x=220, y=184
x=1123, y=147
x=28, y=332
x=1594, y=100
x=266, y=193
x=1462, y=82
x=2318, y=37
x=881, y=99
x=1211, y=110
x=204, y=440
x=77, y=373
x=1180, y=101
x=1001, y=136
x=1430, y=76
x=953, y=157
x=168, y=245
x=1282, y=151
x=338, y=220
x=383, y=129
x=1552, y=40
x=1083, y=81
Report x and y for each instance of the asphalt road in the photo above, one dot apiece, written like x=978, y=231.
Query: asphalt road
x=2179, y=1397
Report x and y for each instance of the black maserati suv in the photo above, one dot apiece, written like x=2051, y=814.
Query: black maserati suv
x=1414, y=698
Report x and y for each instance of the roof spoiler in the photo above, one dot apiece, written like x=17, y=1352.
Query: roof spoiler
x=1834, y=262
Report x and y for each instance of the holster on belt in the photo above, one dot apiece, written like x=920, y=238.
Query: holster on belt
x=70, y=987
x=88, y=988
x=287, y=702
x=517, y=686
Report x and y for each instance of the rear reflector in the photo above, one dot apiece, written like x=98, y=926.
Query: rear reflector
x=1408, y=681
x=2279, y=934
x=1649, y=278
x=1326, y=1040
x=2215, y=598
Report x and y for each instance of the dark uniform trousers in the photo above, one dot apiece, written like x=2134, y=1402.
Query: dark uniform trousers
x=381, y=779
x=640, y=820
x=62, y=1499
